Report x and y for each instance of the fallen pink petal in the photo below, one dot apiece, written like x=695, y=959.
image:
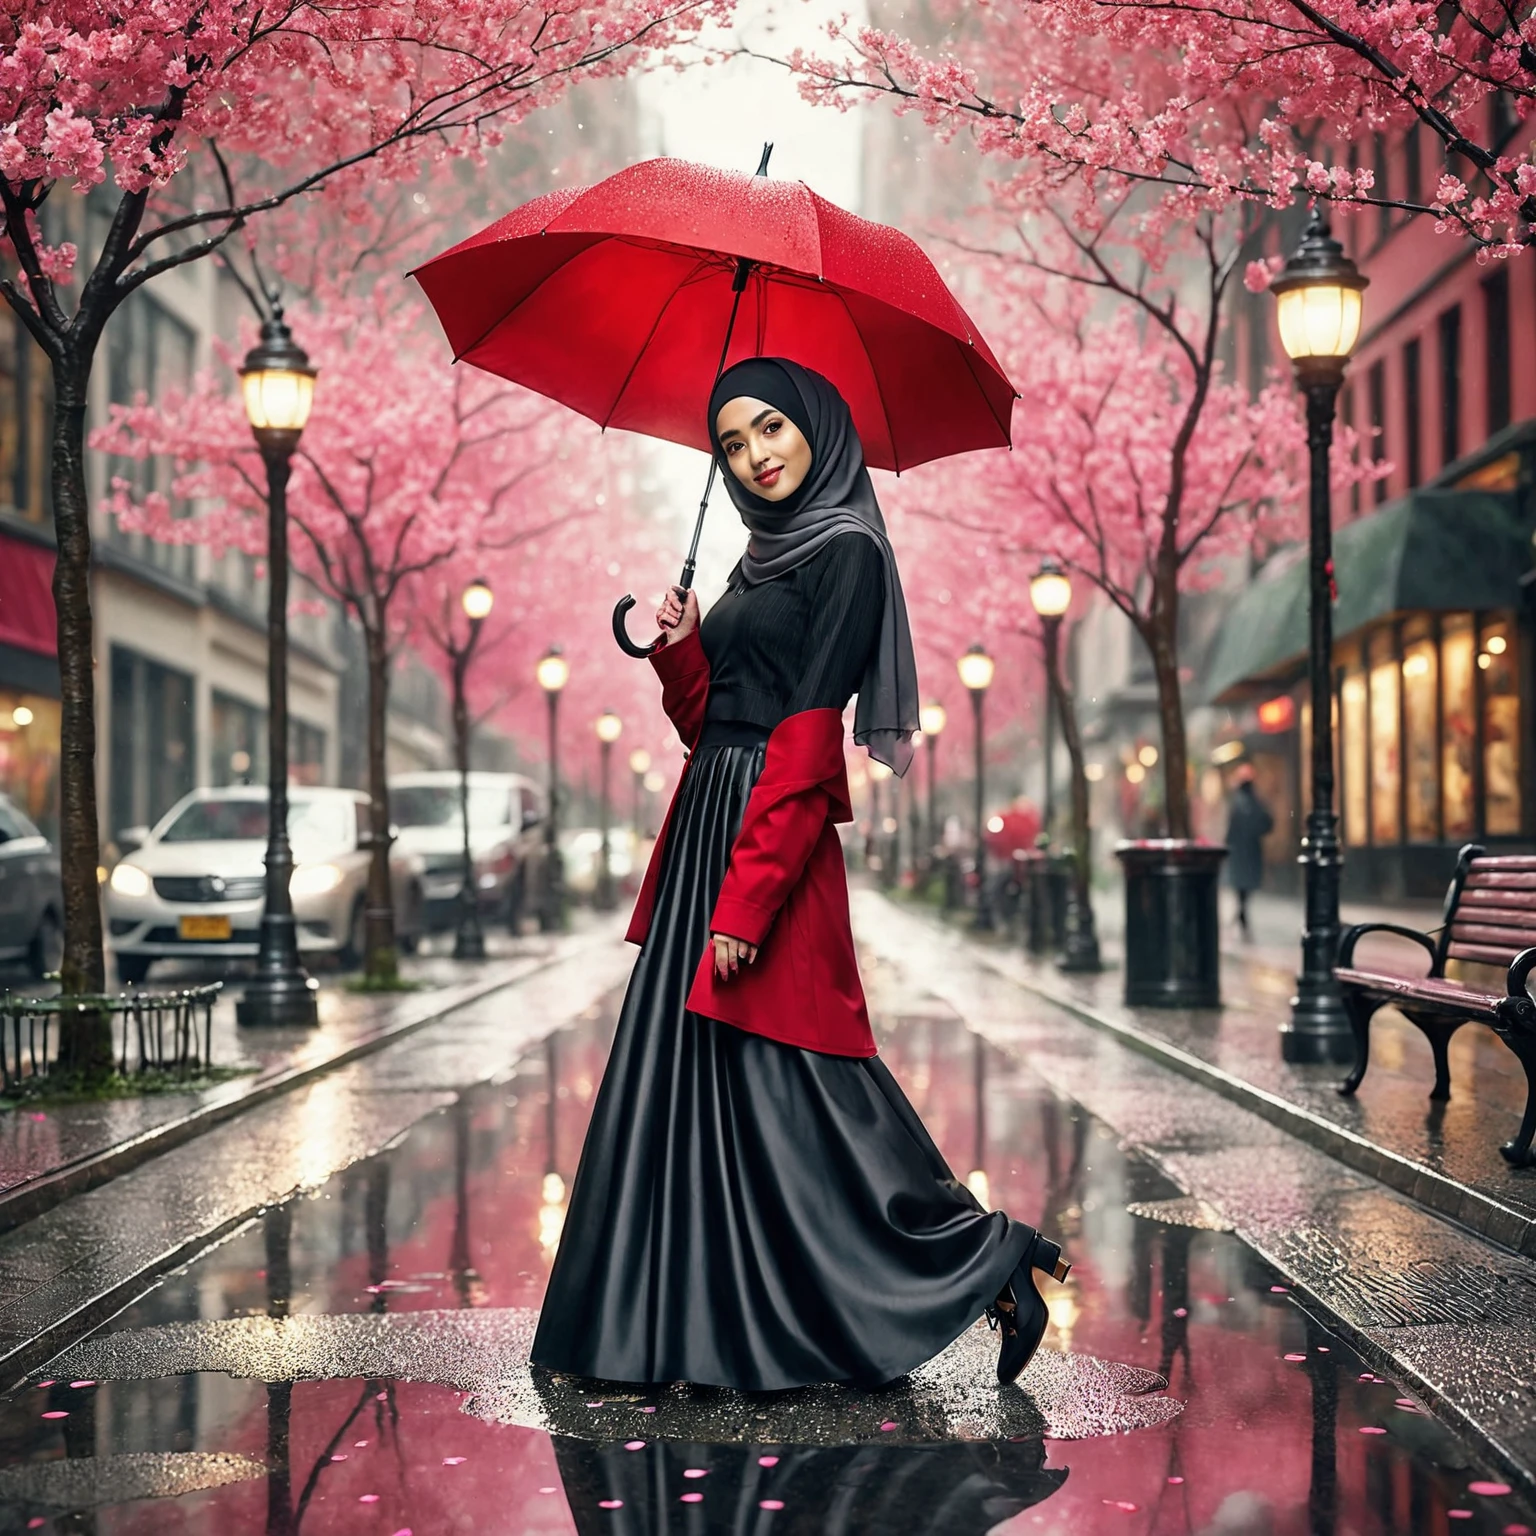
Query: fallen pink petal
x=767, y=1461
x=1280, y=1290
x=454, y=1461
x=888, y=1426
x=1181, y=1311
x=695, y=1471
x=1175, y=1480
x=1489, y=1490
x=1295, y=1358
x=634, y=1445
x=82, y=1384
x=1372, y=1429
x=367, y=1498
x=691, y=1498
x=770, y=1503
x=606, y=1503
x=56, y=1413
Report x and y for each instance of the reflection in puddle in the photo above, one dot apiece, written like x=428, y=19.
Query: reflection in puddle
x=354, y=1364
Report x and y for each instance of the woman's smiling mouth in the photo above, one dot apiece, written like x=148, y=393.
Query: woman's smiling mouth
x=769, y=477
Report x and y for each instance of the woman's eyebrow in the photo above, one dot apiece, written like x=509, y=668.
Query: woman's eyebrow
x=757, y=421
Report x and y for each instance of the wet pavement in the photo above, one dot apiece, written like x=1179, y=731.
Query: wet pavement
x=354, y=1360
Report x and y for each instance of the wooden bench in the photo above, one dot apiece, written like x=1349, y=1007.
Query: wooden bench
x=1490, y=918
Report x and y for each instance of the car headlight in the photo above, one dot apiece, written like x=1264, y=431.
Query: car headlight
x=129, y=880
x=314, y=880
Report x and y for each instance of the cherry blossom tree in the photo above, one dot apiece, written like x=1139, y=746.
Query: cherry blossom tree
x=1135, y=463
x=444, y=467
x=206, y=113
x=1211, y=101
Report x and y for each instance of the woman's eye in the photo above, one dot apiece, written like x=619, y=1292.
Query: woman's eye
x=773, y=426
x=731, y=448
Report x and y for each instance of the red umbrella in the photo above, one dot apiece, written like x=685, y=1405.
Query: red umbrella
x=622, y=301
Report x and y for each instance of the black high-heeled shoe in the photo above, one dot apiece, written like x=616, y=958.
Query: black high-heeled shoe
x=1020, y=1313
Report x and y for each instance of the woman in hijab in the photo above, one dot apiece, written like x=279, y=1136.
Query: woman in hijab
x=758, y=1206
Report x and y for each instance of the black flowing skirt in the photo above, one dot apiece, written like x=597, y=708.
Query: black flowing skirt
x=748, y=1214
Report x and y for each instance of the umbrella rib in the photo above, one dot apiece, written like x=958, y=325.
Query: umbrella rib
x=650, y=335
x=874, y=373
x=1005, y=427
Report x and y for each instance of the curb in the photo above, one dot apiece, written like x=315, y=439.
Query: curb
x=31, y=1199
x=1463, y=1204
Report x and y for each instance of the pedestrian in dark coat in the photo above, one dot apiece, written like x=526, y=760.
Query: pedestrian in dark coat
x=1248, y=824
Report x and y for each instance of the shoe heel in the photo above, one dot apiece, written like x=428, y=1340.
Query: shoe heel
x=1046, y=1257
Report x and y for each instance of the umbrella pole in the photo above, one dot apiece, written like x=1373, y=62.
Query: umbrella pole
x=685, y=582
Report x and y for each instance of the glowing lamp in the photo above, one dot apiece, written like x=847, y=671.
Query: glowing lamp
x=1050, y=590
x=639, y=761
x=609, y=727
x=1318, y=296
x=932, y=718
x=477, y=600
x=553, y=670
x=976, y=668
x=278, y=384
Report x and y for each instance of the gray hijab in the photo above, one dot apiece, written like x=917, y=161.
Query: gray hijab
x=836, y=497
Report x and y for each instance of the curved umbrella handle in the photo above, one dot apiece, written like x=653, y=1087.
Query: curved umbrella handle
x=621, y=634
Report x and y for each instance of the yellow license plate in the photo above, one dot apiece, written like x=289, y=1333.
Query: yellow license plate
x=205, y=928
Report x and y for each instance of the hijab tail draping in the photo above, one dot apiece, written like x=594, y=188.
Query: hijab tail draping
x=836, y=497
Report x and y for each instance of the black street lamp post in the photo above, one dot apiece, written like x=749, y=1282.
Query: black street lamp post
x=553, y=672
x=278, y=384
x=609, y=727
x=1050, y=592
x=932, y=719
x=477, y=600
x=1319, y=303
x=976, y=668
x=639, y=766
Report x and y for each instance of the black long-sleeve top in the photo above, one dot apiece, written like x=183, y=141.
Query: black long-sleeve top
x=801, y=641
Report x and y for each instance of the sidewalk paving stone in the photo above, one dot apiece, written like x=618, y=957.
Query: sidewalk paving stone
x=79, y=1262
x=48, y=1154
x=1444, y=1155
x=1448, y=1313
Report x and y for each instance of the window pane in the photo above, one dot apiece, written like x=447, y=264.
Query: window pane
x=1501, y=729
x=1355, y=755
x=1456, y=763
x=1386, y=762
x=1420, y=688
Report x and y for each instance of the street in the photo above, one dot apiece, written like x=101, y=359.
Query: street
x=347, y=1349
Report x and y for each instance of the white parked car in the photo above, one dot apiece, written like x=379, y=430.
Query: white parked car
x=194, y=885
x=506, y=841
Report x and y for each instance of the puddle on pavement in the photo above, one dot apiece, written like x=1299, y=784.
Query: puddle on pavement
x=354, y=1364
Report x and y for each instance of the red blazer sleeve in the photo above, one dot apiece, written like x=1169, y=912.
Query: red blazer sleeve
x=684, y=672
x=803, y=786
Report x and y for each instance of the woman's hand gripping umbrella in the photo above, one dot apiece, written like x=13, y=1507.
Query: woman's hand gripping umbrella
x=628, y=299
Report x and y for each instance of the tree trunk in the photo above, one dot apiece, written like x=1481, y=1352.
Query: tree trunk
x=85, y=1046
x=382, y=964
x=1162, y=636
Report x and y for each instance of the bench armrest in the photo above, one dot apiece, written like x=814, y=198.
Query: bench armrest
x=1352, y=936
x=1520, y=969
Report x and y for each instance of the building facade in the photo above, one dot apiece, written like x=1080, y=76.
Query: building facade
x=1434, y=629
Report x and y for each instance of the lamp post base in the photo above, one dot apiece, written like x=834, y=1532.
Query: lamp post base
x=1318, y=1030
x=1080, y=949
x=468, y=942
x=281, y=993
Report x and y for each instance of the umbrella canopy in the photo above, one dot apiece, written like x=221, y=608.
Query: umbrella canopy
x=615, y=300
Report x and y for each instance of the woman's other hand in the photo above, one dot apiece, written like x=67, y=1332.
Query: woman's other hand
x=678, y=616
x=729, y=952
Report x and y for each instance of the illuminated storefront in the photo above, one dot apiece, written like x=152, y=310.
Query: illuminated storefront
x=1432, y=675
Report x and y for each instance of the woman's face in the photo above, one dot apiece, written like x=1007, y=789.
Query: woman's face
x=765, y=450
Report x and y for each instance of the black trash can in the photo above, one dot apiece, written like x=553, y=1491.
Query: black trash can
x=1172, y=923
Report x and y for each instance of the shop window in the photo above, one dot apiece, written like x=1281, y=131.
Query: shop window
x=26, y=421
x=1413, y=411
x=1421, y=686
x=149, y=352
x=1449, y=328
x=239, y=741
x=306, y=753
x=153, y=761
x=1456, y=691
x=1354, y=754
x=1413, y=164
x=1496, y=342
x=1386, y=760
x=1376, y=392
x=29, y=756
x=1501, y=729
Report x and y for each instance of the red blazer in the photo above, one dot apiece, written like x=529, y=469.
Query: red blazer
x=785, y=889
